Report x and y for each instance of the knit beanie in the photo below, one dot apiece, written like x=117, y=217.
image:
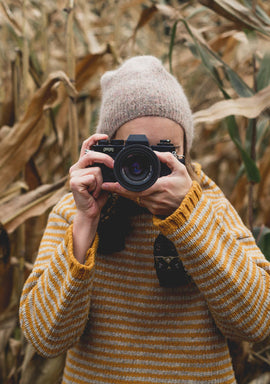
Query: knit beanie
x=141, y=86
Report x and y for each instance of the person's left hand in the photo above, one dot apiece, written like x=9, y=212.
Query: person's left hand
x=166, y=195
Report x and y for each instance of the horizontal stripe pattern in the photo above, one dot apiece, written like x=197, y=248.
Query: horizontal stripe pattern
x=120, y=326
x=235, y=287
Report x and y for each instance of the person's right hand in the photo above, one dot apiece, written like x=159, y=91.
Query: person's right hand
x=86, y=180
x=85, y=184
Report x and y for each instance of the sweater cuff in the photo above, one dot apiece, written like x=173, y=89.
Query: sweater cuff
x=77, y=269
x=181, y=214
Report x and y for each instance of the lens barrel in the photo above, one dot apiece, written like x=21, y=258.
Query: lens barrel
x=136, y=167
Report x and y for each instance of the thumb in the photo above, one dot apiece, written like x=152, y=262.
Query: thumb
x=170, y=160
x=102, y=199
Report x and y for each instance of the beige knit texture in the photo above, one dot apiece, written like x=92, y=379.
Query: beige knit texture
x=142, y=87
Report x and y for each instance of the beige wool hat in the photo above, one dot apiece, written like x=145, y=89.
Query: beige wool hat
x=141, y=86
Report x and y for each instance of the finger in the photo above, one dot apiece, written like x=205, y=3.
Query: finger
x=83, y=183
x=102, y=199
x=114, y=188
x=92, y=185
x=92, y=140
x=83, y=171
x=99, y=181
x=96, y=171
x=91, y=158
x=117, y=188
x=150, y=198
x=80, y=174
x=170, y=160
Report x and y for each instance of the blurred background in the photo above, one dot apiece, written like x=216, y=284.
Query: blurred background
x=52, y=55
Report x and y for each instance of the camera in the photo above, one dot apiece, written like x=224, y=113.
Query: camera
x=136, y=166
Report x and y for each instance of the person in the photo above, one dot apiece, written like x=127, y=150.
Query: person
x=98, y=289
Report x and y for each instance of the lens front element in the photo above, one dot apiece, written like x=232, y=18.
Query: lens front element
x=136, y=167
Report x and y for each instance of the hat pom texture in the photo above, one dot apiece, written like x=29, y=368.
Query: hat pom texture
x=141, y=86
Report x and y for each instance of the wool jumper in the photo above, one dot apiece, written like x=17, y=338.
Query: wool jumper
x=120, y=326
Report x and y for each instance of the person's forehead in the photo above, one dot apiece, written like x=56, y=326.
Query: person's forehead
x=153, y=127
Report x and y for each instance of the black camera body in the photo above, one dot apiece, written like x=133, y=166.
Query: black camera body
x=136, y=166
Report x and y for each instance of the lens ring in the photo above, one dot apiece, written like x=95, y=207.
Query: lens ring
x=147, y=167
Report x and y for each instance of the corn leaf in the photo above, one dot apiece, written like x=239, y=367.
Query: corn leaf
x=23, y=140
x=262, y=235
x=207, y=58
x=38, y=370
x=211, y=61
x=239, y=14
x=252, y=171
x=263, y=75
x=30, y=204
x=250, y=107
x=260, y=13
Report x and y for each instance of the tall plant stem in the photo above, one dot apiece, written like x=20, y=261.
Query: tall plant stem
x=25, y=60
x=251, y=184
x=45, y=43
x=72, y=110
x=19, y=86
x=252, y=153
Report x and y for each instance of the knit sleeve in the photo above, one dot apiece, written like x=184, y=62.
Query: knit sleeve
x=223, y=260
x=56, y=296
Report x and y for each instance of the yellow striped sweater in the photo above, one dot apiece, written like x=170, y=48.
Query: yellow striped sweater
x=119, y=326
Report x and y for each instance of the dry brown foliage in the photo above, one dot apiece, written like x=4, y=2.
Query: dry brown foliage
x=52, y=55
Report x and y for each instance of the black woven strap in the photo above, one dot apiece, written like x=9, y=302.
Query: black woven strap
x=169, y=267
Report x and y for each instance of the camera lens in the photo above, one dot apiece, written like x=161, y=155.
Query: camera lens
x=136, y=167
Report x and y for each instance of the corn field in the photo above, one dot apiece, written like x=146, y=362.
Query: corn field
x=52, y=56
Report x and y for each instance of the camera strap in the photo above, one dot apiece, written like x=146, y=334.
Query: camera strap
x=169, y=267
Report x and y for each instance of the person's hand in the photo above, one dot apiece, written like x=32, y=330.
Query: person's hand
x=166, y=195
x=85, y=184
x=86, y=180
